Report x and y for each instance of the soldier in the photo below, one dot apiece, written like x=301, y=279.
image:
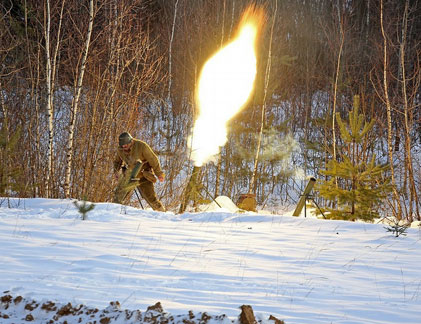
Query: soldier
x=140, y=167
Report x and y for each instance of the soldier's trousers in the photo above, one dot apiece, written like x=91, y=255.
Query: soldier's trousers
x=125, y=188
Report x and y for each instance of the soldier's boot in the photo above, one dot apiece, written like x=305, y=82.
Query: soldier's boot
x=159, y=206
x=147, y=190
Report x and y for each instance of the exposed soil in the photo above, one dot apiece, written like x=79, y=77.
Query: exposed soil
x=22, y=310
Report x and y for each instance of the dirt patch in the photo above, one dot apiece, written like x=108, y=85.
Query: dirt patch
x=12, y=310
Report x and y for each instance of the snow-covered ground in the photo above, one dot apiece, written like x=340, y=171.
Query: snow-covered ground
x=300, y=270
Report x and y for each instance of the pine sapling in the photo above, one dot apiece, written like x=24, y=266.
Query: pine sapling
x=84, y=207
x=397, y=229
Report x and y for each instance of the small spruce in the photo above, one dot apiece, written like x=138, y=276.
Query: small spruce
x=355, y=184
x=397, y=229
x=84, y=207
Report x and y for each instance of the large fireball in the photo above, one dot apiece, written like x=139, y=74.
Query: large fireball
x=225, y=85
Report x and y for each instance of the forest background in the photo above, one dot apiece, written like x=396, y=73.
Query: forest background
x=75, y=74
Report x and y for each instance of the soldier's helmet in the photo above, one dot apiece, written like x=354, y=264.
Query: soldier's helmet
x=124, y=138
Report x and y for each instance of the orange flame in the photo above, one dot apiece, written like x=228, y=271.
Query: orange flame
x=225, y=85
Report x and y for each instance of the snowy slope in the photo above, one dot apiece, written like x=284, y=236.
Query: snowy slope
x=300, y=270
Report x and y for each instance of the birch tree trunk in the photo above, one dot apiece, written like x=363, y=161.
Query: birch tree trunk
x=367, y=26
x=232, y=19
x=54, y=62
x=408, y=144
x=252, y=187
x=398, y=212
x=113, y=69
x=4, y=153
x=50, y=110
x=170, y=51
x=219, y=164
x=75, y=103
x=335, y=91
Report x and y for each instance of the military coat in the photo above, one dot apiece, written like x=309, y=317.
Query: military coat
x=139, y=152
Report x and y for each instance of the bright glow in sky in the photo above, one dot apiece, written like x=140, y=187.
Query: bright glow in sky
x=225, y=85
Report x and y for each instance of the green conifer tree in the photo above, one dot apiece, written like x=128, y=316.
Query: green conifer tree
x=84, y=208
x=361, y=183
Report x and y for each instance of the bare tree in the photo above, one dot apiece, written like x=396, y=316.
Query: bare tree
x=335, y=88
x=76, y=99
x=49, y=102
x=407, y=113
x=170, y=50
x=398, y=211
x=252, y=187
